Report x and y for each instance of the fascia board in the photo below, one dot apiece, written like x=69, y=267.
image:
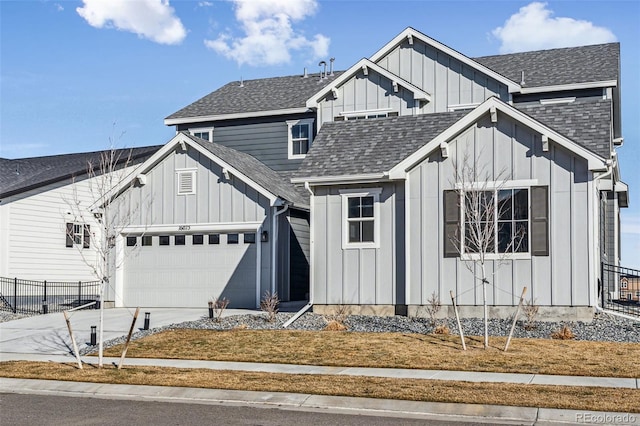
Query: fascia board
x=568, y=87
x=342, y=179
x=387, y=48
x=418, y=94
x=399, y=171
x=219, y=117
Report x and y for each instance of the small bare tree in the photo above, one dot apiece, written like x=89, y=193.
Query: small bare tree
x=482, y=236
x=269, y=304
x=217, y=307
x=100, y=206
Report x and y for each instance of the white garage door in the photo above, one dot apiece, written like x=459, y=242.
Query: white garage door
x=189, y=270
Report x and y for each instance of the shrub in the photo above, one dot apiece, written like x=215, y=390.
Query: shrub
x=564, y=333
x=433, y=307
x=334, y=325
x=269, y=304
x=217, y=307
x=442, y=329
x=530, y=311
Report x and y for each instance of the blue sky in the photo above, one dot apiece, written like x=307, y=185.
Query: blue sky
x=74, y=74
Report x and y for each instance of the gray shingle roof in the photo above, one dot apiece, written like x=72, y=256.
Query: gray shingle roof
x=371, y=146
x=587, y=123
x=265, y=94
x=23, y=174
x=558, y=66
x=255, y=170
x=346, y=148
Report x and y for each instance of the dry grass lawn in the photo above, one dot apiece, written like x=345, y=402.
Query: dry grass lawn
x=392, y=350
x=577, y=398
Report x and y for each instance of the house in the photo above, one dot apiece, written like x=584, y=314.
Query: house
x=40, y=238
x=339, y=187
x=630, y=288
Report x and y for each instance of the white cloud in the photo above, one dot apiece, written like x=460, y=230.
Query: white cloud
x=269, y=35
x=533, y=27
x=205, y=4
x=151, y=19
x=58, y=7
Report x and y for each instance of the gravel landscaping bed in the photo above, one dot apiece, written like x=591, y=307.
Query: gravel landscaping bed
x=603, y=328
x=9, y=316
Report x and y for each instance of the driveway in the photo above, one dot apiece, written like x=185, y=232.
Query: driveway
x=48, y=334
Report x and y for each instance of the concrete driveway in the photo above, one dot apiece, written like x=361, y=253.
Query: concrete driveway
x=48, y=335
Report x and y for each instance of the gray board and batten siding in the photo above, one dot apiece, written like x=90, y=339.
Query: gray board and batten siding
x=358, y=276
x=265, y=138
x=445, y=78
x=557, y=279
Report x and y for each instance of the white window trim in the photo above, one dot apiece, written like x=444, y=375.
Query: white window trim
x=193, y=172
x=290, y=124
x=497, y=186
x=345, y=194
x=194, y=130
x=365, y=112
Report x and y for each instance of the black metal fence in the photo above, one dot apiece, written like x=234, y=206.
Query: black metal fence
x=41, y=297
x=620, y=289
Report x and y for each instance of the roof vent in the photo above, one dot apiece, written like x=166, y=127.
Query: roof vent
x=522, y=78
x=331, y=66
x=304, y=75
x=241, y=82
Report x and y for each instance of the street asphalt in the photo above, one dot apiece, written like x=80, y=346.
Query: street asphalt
x=45, y=338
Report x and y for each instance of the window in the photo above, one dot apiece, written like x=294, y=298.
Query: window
x=197, y=240
x=179, y=240
x=232, y=238
x=502, y=220
x=360, y=213
x=132, y=241
x=623, y=284
x=77, y=234
x=214, y=239
x=250, y=238
x=186, y=181
x=205, y=133
x=147, y=240
x=366, y=114
x=163, y=240
x=300, y=137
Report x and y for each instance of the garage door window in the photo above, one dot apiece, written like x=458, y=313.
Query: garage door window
x=232, y=238
x=197, y=240
x=164, y=240
x=250, y=238
x=132, y=241
x=147, y=240
x=179, y=240
x=214, y=239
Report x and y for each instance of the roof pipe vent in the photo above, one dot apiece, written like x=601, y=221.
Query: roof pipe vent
x=304, y=75
x=331, y=61
x=522, y=78
x=320, y=64
x=241, y=82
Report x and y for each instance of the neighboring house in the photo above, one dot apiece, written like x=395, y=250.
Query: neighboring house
x=39, y=237
x=339, y=187
x=630, y=288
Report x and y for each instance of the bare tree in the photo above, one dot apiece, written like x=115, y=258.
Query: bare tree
x=100, y=207
x=485, y=234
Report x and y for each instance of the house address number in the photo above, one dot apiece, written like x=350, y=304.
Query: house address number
x=184, y=227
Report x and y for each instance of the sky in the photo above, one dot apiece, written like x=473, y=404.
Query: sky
x=80, y=75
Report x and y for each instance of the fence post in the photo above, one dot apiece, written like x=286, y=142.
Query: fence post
x=15, y=295
x=79, y=293
x=602, y=285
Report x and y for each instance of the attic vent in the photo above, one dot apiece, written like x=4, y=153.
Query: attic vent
x=186, y=182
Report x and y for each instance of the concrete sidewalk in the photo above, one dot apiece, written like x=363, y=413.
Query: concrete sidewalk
x=493, y=414
x=398, y=373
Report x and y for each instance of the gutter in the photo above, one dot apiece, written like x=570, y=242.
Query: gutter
x=609, y=172
x=274, y=245
x=306, y=307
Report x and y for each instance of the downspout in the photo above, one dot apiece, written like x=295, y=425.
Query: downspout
x=306, y=307
x=596, y=226
x=274, y=245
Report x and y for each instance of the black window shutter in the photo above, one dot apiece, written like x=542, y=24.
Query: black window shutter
x=451, y=213
x=540, y=220
x=87, y=236
x=69, y=235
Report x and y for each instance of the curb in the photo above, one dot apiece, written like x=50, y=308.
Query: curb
x=320, y=403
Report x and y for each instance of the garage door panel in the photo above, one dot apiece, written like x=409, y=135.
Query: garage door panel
x=189, y=276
